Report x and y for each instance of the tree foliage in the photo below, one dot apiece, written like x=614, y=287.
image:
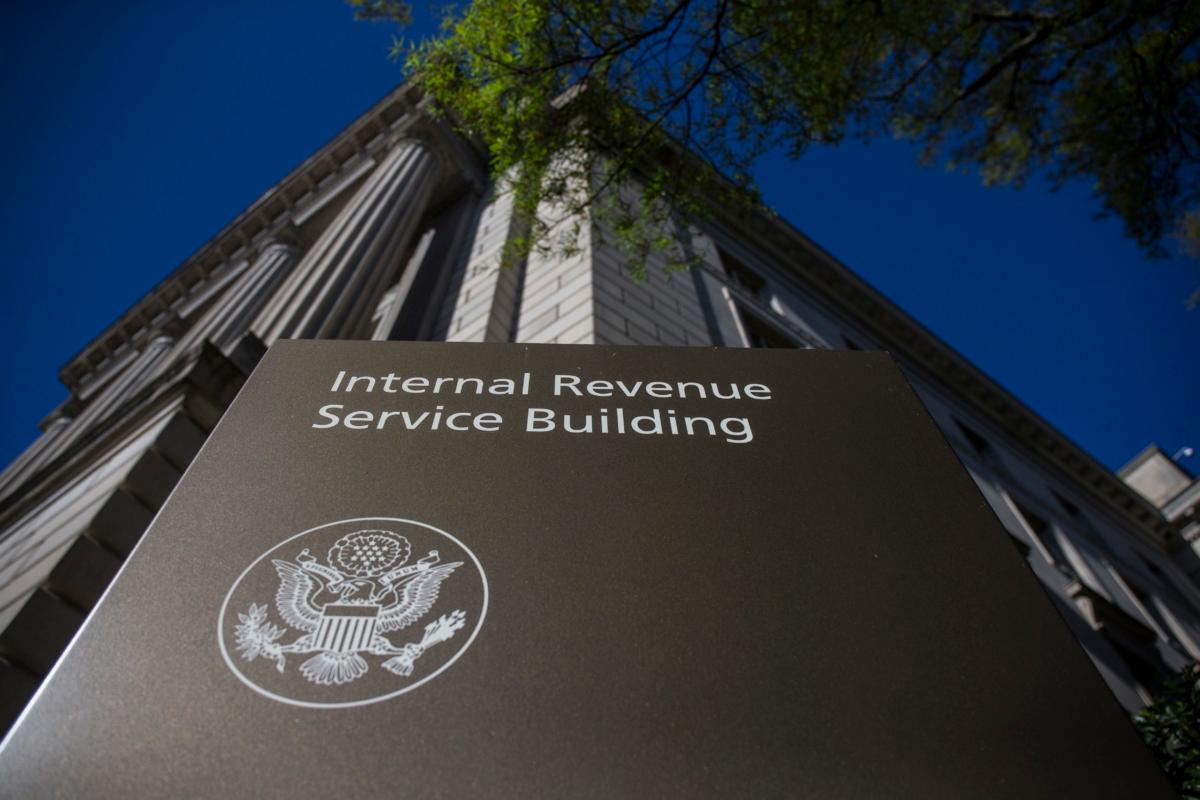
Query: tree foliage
x=1171, y=726
x=1107, y=91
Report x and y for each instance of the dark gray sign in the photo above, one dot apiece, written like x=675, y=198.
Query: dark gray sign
x=470, y=570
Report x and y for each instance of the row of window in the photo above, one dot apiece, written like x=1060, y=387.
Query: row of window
x=1142, y=610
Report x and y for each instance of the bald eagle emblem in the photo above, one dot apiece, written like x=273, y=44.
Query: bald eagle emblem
x=345, y=606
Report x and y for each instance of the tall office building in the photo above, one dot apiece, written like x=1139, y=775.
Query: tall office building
x=393, y=230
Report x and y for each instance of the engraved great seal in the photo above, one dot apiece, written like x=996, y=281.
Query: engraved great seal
x=352, y=612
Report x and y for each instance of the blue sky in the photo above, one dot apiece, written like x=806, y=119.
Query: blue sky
x=135, y=132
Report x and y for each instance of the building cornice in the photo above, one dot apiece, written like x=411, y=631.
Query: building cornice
x=403, y=112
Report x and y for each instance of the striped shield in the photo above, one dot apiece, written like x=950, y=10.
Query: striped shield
x=346, y=628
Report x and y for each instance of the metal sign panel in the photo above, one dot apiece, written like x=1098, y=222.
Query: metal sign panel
x=403, y=569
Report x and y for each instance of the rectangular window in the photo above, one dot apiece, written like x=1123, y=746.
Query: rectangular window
x=1067, y=505
x=761, y=334
x=1044, y=535
x=977, y=442
x=740, y=275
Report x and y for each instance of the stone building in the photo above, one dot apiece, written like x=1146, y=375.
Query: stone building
x=1171, y=489
x=392, y=231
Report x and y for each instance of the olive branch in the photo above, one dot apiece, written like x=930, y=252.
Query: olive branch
x=257, y=637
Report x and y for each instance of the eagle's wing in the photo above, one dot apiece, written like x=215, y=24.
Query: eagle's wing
x=295, y=588
x=417, y=596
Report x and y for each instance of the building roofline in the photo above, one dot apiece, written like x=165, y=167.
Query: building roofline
x=841, y=287
x=1148, y=452
x=246, y=231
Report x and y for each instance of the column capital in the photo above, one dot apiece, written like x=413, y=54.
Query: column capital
x=456, y=158
x=343, y=272
x=279, y=247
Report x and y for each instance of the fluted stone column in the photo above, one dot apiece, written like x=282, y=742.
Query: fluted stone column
x=271, y=266
x=231, y=313
x=338, y=280
x=34, y=456
x=123, y=387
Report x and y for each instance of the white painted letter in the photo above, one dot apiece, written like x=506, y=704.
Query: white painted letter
x=324, y=412
x=539, y=420
x=560, y=383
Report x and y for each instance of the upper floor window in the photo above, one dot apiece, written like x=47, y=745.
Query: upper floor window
x=1068, y=506
x=760, y=334
x=742, y=276
x=1044, y=534
x=976, y=440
